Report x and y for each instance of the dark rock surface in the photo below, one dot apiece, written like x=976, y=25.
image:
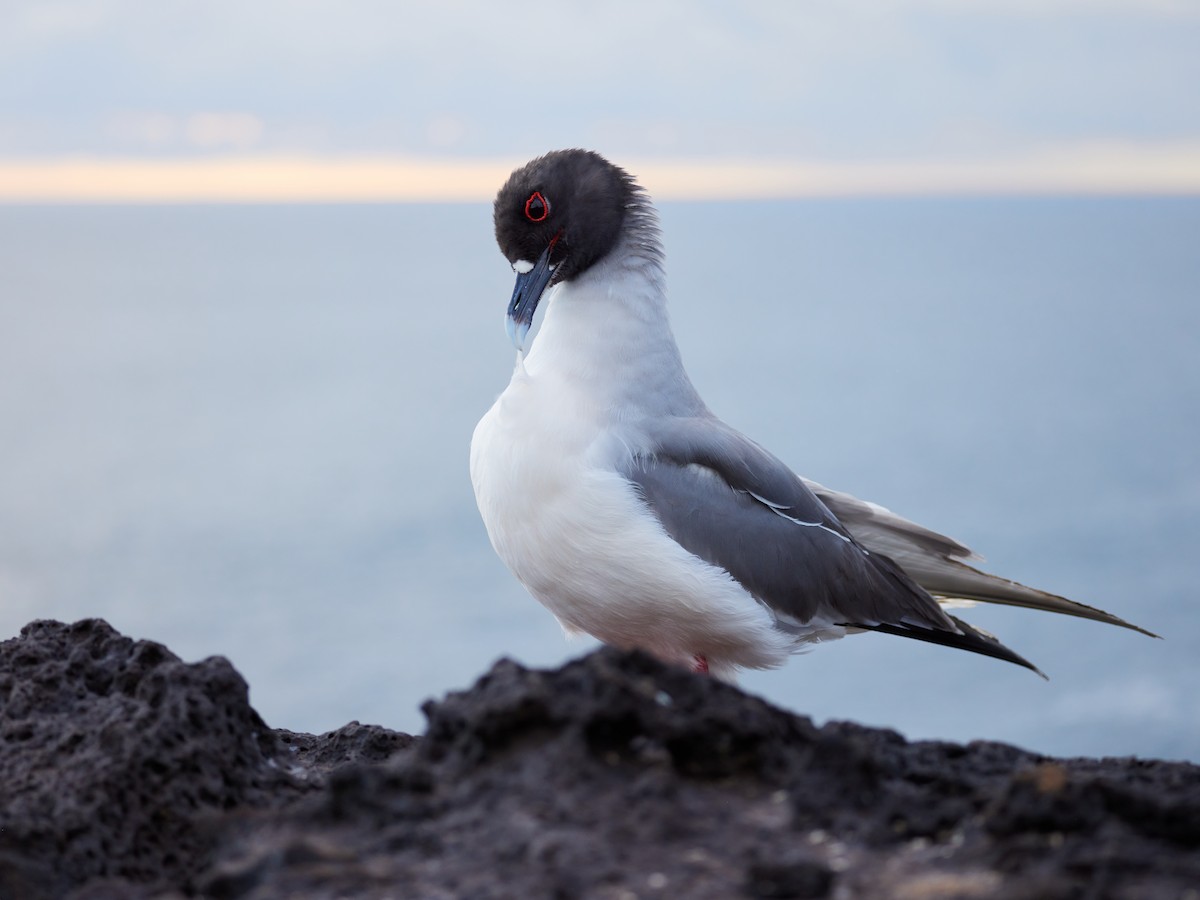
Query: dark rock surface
x=125, y=772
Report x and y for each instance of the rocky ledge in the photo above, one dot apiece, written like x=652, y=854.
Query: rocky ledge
x=125, y=772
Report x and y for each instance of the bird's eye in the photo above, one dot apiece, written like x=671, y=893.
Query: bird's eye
x=537, y=207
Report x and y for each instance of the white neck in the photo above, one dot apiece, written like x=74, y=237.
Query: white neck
x=607, y=332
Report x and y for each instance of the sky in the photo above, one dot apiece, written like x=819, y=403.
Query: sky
x=874, y=96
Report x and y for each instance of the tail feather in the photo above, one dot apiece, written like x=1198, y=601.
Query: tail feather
x=953, y=580
x=937, y=563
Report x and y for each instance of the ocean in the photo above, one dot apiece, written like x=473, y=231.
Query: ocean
x=243, y=430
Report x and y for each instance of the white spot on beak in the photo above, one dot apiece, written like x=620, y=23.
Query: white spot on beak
x=522, y=266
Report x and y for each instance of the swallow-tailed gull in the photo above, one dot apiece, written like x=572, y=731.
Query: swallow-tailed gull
x=633, y=513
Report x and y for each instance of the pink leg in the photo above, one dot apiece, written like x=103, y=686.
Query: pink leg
x=700, y=664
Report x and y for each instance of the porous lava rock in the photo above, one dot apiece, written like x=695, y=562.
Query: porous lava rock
x=120, y=764
x=128, y=773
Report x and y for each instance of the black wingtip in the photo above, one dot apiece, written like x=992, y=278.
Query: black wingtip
x=967, y=638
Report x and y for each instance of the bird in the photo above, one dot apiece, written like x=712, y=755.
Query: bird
x=634, y=514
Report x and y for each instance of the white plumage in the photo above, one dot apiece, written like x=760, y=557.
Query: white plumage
x=545, y=463
x=632, y=513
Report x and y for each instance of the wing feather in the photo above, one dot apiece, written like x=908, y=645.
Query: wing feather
x=939, y=564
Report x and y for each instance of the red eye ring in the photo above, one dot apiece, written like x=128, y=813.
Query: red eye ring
x=537, y=207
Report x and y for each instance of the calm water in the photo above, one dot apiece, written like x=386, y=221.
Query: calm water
x=244, y=431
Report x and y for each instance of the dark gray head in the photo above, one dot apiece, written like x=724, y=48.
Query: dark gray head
x=555, y=218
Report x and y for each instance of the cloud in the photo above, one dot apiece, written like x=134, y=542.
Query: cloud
x=857, y=79
x=237, y=131
x=55, y=18
x=444, y=132
x=1052, y=8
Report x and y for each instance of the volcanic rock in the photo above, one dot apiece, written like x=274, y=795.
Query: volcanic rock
x=125, y=772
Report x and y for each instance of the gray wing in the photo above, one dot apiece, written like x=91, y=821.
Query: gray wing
x=938, y=563
x=731, y=503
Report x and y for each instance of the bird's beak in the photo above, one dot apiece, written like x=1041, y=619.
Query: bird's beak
x=526, y=294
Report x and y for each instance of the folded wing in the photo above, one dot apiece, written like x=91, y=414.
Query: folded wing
x=734, y=505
